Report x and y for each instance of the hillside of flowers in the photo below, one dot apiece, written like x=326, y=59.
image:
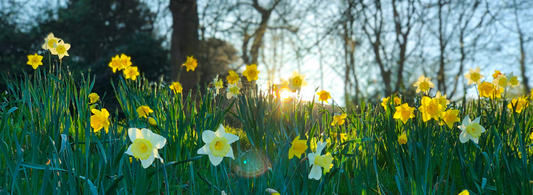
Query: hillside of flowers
x=58, y=137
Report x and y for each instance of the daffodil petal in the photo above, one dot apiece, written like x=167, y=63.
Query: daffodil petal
x=466, y=121
x=320, y=146
x=231, y=138
x=463, y=137
x=134, y=133
x=129, y=152
x=476, y=120
x=204, y=150
x=311, y=157
x=316, y=172
x=146, y=163
x=208, y=136
x=230, y=153
x=220, y=131
x=157, y=141
x=215, y=160
x=156, y=155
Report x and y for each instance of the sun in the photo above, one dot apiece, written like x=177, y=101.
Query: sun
x=284, y=93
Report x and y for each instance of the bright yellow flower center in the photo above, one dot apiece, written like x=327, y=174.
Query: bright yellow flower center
x=513, y=81
x=51, y=43
x=324, y=96
x=405, y=114
x=219, y=146
x=424, y=86
x=297, y=81
x=61, y=49
x=402, y=139
x=325, y=161
x=141, y=149
x=218, y=84
x=234, y=90
x=397, y=101
x=474, y=130
x=475, y=76
x=502, y=82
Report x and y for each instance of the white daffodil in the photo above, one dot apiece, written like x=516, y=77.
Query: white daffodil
x=232, y=91
x=50, y=42
x=61, y=49
x=218, y=85
x=471, y=130
x=145, y=145
x=318, y=161
x=474, y=76
x=217, y=145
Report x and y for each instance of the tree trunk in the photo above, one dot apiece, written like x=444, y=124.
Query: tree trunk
x=184, y=41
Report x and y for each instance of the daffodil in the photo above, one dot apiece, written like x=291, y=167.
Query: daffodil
x=385, y=102
x=35, y=60
x=251, y=72
x=176, y=87
x=513, y=80
x=423, y=84
x=50, y=42
x=272, y=191
x=519, y=104
x=531, y=136
x=131, y=73
x=217, y=145
x=318, y=161
x=430, y=109
x=397, y=100
x=144, y=111
x=218, y=85
x=500, y=81
x=298, y=147
x=145, y=145
x=442, y=99
x=487, y=89
x=191, y=63
x=323, y=96
x=116, y=63
x=404, y=113
x=61, y=50
x=464, y=192
x=449, y=117
x=338, y=119
x=402, y=139
x=232, y=91
x=471, y=130
x=297, y=81
x=474, y=76
x=125, y=61
x=152, y=121
x=496, y=74
x=233, y=77
x=93, y=98
x=343, y=136
x=100, y=119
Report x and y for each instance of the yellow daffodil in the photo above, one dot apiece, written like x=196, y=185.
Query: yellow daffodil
x=449, y=117
x=471, y=130
x=232, y=91
x=343, y=136
x=531, y=94
x=35, y=60
x=442, y=99
x=318, y=161
x=531, y=136
x=233, y=77
x=430, y=109
x=496, y=74
x=144, y=111
x=251, y=72
x=116, y=63
x=474, y=76
x=191, y=63
x=50, y=42
x=404, y=113
x=217, y=145
x=145, y=145
x=402, y=139
x=513, y=80
x=176, y=87
x=385, y=102
x=519, y=104
x=500, y=81
x=61, y=50
x=464, y=192
x=297, y=81
x=397, y=100
x=423, y=84
x=487, y=89
x=323, y=96
x=93, y=98
x=131, y=73
x=125, y=61
x=152, y=121
x=100, y=119
x=218, y=85
x=298, y=147
x=338, y=119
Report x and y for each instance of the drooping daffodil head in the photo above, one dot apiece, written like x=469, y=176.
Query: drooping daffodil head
x=319, y=162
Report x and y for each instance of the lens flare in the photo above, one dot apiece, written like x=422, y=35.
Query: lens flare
x=284, y=94
x=251, y=164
